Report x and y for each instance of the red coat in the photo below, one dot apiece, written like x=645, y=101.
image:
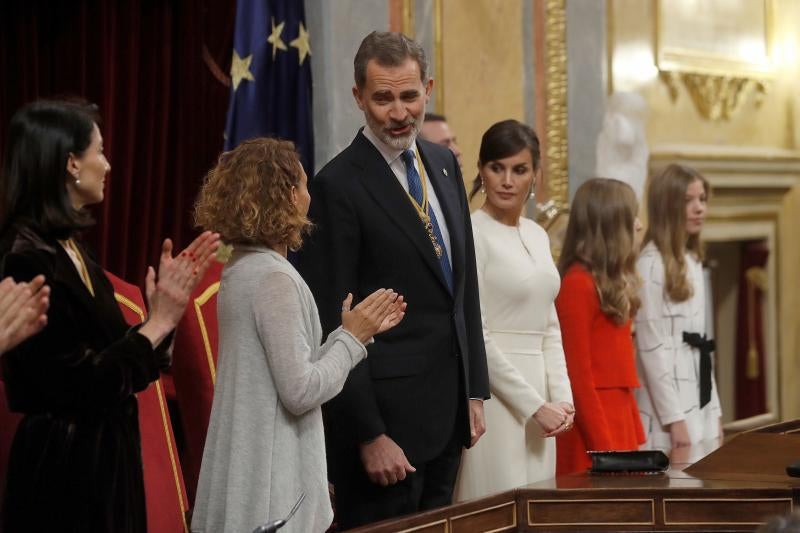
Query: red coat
x=602, y=372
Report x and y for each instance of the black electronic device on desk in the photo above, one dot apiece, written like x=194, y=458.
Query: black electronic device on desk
x=637, y=462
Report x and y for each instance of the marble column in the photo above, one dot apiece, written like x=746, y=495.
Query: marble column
x=586, y=85
x=336, y=28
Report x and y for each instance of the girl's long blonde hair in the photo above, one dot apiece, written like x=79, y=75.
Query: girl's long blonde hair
x=666, y=226
x=600, y=235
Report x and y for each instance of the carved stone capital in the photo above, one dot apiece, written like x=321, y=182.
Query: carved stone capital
x=715, y=97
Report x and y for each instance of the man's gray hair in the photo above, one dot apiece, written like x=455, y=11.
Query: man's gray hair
x=388, y=49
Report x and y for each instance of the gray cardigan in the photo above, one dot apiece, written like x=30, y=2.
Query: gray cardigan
x=265, y=442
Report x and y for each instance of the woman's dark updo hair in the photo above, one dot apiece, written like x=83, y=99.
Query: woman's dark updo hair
x=33, y=184
x=504, y=139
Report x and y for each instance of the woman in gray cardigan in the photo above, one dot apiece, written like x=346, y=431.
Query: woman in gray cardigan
x=265, y=443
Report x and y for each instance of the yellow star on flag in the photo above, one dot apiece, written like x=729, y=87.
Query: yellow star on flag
x=240, y=69
x=275, y=38
x=302, y=44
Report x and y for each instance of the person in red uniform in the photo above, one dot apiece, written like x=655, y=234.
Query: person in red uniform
x=598, y=297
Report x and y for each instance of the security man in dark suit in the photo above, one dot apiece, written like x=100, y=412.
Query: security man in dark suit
x=391, y=212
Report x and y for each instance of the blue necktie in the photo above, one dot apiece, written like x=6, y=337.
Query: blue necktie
x=415, y=190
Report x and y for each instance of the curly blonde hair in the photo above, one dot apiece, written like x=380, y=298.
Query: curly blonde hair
x=247, y=196
x=600, y=236
x=666, y=219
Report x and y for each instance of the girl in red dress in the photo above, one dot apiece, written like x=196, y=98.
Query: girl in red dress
x=597, y=300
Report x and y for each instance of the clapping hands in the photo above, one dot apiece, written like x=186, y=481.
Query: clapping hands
x=168, y=291
x=378, y=312
x=23, y=310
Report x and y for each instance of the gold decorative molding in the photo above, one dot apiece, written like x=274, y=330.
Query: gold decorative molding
x=715, y=97
x=556, y=101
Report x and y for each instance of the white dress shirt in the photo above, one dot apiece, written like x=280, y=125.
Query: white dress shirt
x=398, y=166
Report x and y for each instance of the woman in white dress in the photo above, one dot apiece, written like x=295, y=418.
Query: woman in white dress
x=518, y=282
x=265, y=444
x=678, y=400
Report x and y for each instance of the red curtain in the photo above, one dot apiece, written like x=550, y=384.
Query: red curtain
x=163, y=109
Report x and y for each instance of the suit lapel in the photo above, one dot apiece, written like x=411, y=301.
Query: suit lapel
x=382, y=185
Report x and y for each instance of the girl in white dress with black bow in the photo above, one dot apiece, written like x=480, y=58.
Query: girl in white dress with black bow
x=678, y=401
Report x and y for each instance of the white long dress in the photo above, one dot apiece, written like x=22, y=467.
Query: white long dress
x=668, y=367
x=518, y=284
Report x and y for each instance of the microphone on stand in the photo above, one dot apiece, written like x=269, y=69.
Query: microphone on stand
x=275, y=525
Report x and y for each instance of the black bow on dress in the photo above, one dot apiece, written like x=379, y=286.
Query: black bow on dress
x=706, y=346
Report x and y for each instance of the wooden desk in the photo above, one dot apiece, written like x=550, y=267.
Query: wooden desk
x=674, y=501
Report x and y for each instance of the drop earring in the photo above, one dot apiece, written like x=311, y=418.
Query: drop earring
x=77, y=179
x=483, y=187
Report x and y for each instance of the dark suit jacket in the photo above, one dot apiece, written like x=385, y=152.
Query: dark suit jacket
x=76, y=462
x=417, y=378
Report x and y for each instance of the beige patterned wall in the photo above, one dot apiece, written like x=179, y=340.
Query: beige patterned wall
x=482, y=69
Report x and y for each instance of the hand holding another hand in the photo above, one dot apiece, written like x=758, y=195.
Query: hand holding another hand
x=552, y=418
x=568, y=422
x=378, y=312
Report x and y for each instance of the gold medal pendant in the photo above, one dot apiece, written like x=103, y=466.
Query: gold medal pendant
x=422, y=211
x=426, y=221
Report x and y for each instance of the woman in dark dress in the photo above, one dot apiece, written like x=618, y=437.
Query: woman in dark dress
x=75, y=463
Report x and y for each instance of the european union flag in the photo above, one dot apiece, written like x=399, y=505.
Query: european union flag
x=271, y=76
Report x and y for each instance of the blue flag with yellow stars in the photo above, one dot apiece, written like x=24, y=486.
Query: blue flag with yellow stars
x=271, y=76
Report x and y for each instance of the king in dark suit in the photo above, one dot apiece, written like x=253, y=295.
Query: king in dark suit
x=391, y=212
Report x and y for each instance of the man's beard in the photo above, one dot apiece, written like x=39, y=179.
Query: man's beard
x=403, y=142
